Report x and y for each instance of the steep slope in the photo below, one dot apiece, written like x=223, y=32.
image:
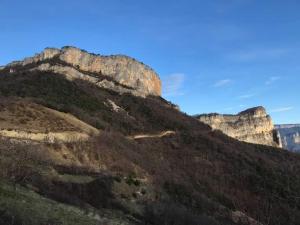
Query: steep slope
x=179, y=172
x=252, y=125
x=289, y=135
x=23, y=119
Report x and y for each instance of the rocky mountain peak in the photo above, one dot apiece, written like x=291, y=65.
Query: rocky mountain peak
x=255, y=111
x=252, y=125
x=118, y=72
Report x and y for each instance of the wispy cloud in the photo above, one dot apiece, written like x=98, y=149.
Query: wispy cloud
x=272, y=79
x=282, y=109
x=221, y=83
x=172, y=84
x=258, y=54
x=246, y=96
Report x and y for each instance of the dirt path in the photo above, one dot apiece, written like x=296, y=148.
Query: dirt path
x=160, y=135
x=51, y=137
x=72, y=129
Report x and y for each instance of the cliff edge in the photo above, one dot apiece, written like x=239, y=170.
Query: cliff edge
x=253, y=125
x=119, y=73
x=290, y=136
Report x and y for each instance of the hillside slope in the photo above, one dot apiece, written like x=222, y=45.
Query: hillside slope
x=192, y=175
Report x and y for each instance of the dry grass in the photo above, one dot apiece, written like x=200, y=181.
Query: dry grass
x=20, y=114
x=195, y=169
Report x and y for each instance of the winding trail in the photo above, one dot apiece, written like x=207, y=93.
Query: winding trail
x=34, y=131
x=160, y=135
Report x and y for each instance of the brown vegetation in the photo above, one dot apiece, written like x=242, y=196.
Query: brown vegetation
x=194, y=174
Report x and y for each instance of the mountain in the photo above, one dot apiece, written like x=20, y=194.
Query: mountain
x=253, y=125
x=75, y=151
x=290, y=138
x=119, y=73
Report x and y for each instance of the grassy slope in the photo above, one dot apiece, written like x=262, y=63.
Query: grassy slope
x=196, y=169
x=22, y=206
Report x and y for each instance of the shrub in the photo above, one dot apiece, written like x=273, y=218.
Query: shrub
x=174, y=214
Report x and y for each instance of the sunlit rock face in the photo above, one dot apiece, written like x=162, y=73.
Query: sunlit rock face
x=119, y=73
x=290, y=136
x=252, y=125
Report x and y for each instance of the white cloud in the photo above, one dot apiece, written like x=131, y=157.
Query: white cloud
x=272, y=80
x=282, y=109
x=172, y=84
x=246, y=96
x=221, y=83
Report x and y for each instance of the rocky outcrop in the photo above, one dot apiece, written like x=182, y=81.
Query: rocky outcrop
x=290, y=136
x=252, y=125
x=119, y=73
x=297, y=138
x=241, y=218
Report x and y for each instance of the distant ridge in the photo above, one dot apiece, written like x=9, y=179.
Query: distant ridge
x=287, y=125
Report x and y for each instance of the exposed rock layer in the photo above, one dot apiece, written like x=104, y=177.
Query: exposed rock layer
x=290, y=136
x=119, y=73
x=252, y=125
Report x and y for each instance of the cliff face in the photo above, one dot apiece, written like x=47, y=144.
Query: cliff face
x=290, y=136
x=252, y=125
x=119, y=73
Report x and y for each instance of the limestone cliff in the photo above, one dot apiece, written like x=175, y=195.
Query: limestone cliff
x=290, y=136
x=252, y=125
x=119, y=73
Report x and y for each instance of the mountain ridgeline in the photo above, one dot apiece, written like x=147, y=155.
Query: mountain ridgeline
x=87, y=140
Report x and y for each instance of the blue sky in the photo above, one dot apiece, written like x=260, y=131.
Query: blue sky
x=212, y=56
